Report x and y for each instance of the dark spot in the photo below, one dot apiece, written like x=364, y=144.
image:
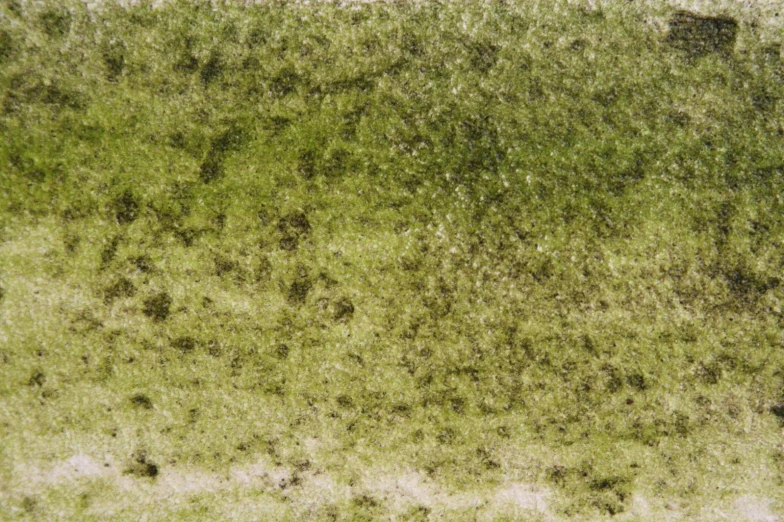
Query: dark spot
x=123, y=287
x=211, y=168
x=614, y=382
x=224, y=265
x=113, y=55
x=778, y=411
x=230, y=139
x=589, y=344
x=710, y=372
x=263, y=270
x=483, y=56
x=185, y=344
x=264, y=217
x=71, y=242
x=157, y=307
x=140, y=400
x=142, y=466
x=213, y=348
x=578, y=45
x=681, y=423
x=698, y=35
x=292, y=228
x=187, y=62
x=336, y=162
x=345, y=401
x=605, y=483
x=7, y=45
x=278, y=123
x=110, y=250
x=299, y=289
x=486, y=458
x=636, y=381
x=37, y=379
x=328, y=281
x=365, y=501
x=282, y=351
x=557, y=474
x=307, y=164
x=177, y=140
x=187, y=235
x=143, y=263
x=2, y=292
x=126, y=208
x=56, y=23
x=213, y=69
x=402, y=409
x=29, y=504
x=447, y=436
x=284, y=82
x=344, y=310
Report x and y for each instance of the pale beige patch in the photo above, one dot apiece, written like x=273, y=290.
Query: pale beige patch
x=308, y=492
x=755, y=509
x=520, y=497
x=77, y=467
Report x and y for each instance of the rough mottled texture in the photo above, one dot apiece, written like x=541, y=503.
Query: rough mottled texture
x=419, y=261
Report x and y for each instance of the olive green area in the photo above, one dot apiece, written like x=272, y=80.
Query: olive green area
x=481, y=241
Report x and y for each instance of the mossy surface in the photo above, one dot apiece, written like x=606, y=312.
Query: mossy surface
x=459, y=246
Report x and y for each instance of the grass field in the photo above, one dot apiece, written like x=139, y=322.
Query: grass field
x=391, y=261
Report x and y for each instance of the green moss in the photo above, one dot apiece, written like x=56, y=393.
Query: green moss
x=473, y=246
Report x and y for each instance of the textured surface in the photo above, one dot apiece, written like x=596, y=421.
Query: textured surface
x=391, y=261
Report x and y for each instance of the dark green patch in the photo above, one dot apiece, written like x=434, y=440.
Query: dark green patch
x=224, y=265
x=7, y=45
x=29, y=504
x=699, y=35
x=778, y=411
x=37, y=379
x=143, y=263
x=142, y=466
x=122, y=288
x=282, y=351
x=300, y=287
x=109, y=250
x=343, y=310
x=126, y=208
x=157, y=307
x=293, y=227
x=141, y=400
x=185, y=344
x=113, y=54
x=636, y=381
x=55, y=21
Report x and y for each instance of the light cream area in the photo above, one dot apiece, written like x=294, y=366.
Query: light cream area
x=398, y=490
x=755, y=509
